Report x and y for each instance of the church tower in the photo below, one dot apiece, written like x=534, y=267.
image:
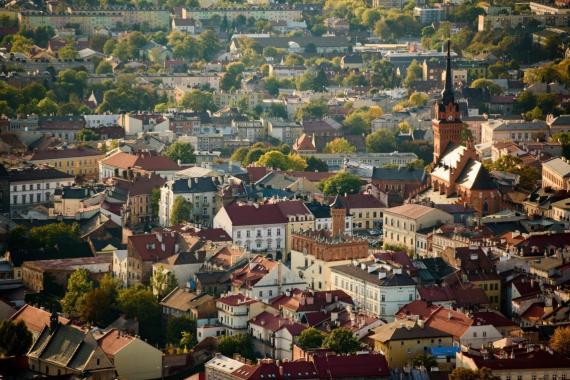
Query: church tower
x=447, y=125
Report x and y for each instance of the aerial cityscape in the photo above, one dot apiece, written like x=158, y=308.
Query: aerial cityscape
x=285, y=189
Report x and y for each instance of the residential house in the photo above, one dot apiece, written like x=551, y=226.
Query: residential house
x=478, y=268
x=125, y=351
x=323, y=131
x=35, y=185
x=74, y=202
x=494, y=130
x=74, y=161
x=143, y=122
x=401, y=341
x=201, y=192
x=283, y=130
x=181, y=302
x=556, y=174
x=402, y=223
x=134, y=194
x=466, y=330
x=234, y=312
x=119, y=163
x=183, y=265
x=68, y=350
x=255, y=227
x=142, y=252
x=378, y=287
x=352, y=62
x=299, y=305
x=35, y=319
x=264, y=279
x=522, y=360
x=274, y=335
x=34, y=273
x=305, y=144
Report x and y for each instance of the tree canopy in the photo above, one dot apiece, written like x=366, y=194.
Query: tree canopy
x=311, y=338
x=181, y=151
x=229, y=345
x=339, y=145
x=341, y=183
x=560, y=341
x=15, y=338
x=181, y=211
x=78, y=286
x=342, y=341
x=277, y=160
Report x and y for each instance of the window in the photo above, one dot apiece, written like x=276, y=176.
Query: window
x=247, y=234
x=484, y=333
x=261, y=293
x=475, y=334
x=383, y=297
x=410, y=297
x=270, y=293
x=278, y=232
x=269, y=232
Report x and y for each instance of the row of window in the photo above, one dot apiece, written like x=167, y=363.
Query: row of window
x=258, y=233
x=29, y=198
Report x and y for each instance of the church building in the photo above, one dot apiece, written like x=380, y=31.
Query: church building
x=457, y=170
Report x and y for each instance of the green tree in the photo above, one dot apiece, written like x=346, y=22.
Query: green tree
x=341, y=183
x=199, y=101
x=342, y=341
x=104, y=67
x=239, y=154
x=560, y=341
x=356, y=124
x=426, y=361
x=67, y=52
x=382, y=141
x=15, y=338
x=339, y=145
x=315, y=109
x=277, y=160
x=163, y=282
x=232, y=77
x=487, y=84
x=414, y=72
x=236, y=344
x=534, y=114
x=177, y=326
x=181, y=151
x=311, y=338
x=253, y=155
x=316, y=165
x=100, y=305
x=181, y=211
x=271, y=85
x=21, y=44
x=139, y=303
x=278, y=110
x=47, y=107
x=78, y=285
x=154, y=202
x=87, y=134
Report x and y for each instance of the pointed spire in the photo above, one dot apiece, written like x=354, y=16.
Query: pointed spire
x=447, y=92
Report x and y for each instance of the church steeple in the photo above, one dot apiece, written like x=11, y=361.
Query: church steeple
x=447, y=125
x=447, y=93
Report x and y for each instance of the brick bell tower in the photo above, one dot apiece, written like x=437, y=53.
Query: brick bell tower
x=338, y=214
x=447, y=125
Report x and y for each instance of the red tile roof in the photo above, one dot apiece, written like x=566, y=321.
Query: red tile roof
x=293, y=208
x=213, y=234
x=254, y=214
x=331, y=366
x=304, y=143
x=256, y=173
x=250, y=274
x=145, y=161
x=113, y=341
x=236, y=300
x=275, y=323
x=493, y=318
x=34, y=318
x=305, y=301
x=153, y=247
x=523, y=358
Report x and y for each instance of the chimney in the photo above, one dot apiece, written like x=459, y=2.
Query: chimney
x=53, y=321
x=328, y=297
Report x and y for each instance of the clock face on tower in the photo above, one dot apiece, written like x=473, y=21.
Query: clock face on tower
x=450, y=118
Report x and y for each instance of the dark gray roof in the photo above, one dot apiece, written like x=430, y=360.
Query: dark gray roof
x=195, y=185
x=352, y=58
x=537, y=124
x=474, y=176
x=74, y=193
x=36, y=173
x=401, y=174
x=391, y=279
x=319, y=210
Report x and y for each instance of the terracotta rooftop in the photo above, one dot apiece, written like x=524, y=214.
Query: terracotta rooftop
x=114, y=341
x=35, y=319
x=54, y=154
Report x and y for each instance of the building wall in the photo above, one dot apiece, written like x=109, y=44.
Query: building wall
x=85, y=166
x=35, y=192
x=399, y=352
